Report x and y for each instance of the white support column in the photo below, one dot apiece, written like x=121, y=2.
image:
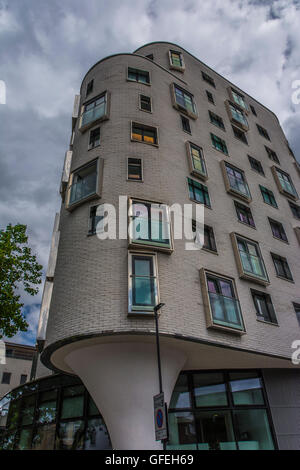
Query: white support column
x=122, y=378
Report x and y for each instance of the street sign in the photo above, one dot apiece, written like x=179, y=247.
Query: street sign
x=160, y=417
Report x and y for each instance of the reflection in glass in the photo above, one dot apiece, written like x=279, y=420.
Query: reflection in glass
x=70, y=436
x=253, y=430
x=182, y=433
x=28, y=410
x=181, y=396
x=25, y=437
x=215, y=430
x=44, y=437
x=72, y=407
x=246, y=389
x=96, y=436
x=209, y=389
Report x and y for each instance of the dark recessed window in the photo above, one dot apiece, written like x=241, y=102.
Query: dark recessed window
x=268, y=196
x=209, y=239
x=256, y=165
x=239, y=134
x=137, y=75
x=272, y=155
x=6, y=378
x=96, y=216
x=23, y=379
x=143, y=133
x=185, y=124
x=264, y=307
x=210, y=97
x=198, y=192
x=282, y=267
x=297, y=311
x=253, y=110
x=135, y=171
x=278, y=230
x=263, y=132
x=217, y=120
x=94, y=140
x=244, y=214
x=208, y=79
x=295, y=210
x=89, y=87
x=145, y=103
x=219, y=143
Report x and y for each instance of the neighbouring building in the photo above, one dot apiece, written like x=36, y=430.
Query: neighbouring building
x=159, y=127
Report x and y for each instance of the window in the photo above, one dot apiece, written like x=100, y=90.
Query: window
x=135, y=169
x=176, y=60
x=145, y=103
x=284, y=183
x=94, y=140
x=239, y=134
x=237, y=115
x=185, y=124
x=213, y=410
x=263, y=306
x=278, y=230
x=272, y=155
x=198, y=192
x=235, y=181
x=256, y=165
x=268, y=196
x=89, y=87
x=295, y=210
x=263, y=132
x=183, y=101
x=96, y=216
x=93, y=111
x=6, y=376
x=297, y=311
x=244, y=214
x=209, y=242
x=196, y=160
x=217, y=120
x=210, y=97
x=237, y=98
x=208, y=79
x=143, y=283
x=23, y=379
x=281, y=267
x=149, y=224
x=140, y=76
x=219, y=144
x=222, y=307
x=249, y=260
x=143, y=133
x=253, y=110
x=85, y=182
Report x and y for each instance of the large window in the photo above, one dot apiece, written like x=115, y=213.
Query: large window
x=222, y=307
x=237, y=98
x=263, y=306
x=143, y=293
x=94, y=110
x=183, y=101
x=143, y=133
x=136, y=75
x=235, y=181
x=198, y=192
x=149, y=224
x=219, y=411
x=54, y=413
x=284, y=183
x=85, y=183
x=196, y=160
x=249, y=259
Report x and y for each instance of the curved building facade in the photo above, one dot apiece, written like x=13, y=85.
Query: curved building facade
x=156, y=134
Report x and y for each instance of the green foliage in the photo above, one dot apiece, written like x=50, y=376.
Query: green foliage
x=18, y=267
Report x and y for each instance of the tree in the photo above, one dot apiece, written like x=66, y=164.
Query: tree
x=18, y=267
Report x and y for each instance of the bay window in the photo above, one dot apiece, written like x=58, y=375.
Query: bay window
x=183, y=101
x=235, y=181
x=85, y=183
x=94, y=110
x=284, y=183
x=249, y=259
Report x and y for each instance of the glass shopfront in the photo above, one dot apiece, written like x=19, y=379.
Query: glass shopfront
x=220, y=411
x=55, y=412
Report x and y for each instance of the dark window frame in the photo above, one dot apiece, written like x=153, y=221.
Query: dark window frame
x=271, y=315
x=192, y=184
x=208, y=79
x=284, y=267
x=135, y=164
x=263, y=132
x=239, y=134
x=138, y=73
x=216, y=120
x=274, y=224
x=256, y=165
x=269, y=194
x=246, y=211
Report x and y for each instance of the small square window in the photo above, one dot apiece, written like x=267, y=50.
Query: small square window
x=140, y=76
x=210, y=97
x=263, y=306
x=143, y=133
x=176, y=60
x=239, y=134
x=186, y=127
x=282, y=267
x=295, y=210
x=145, y=103
x=219, y=144
x=249, y=259
x=94, y=140
x=6, y=376
x=198, y=192
x=263, y=132
x=244, y=214
x=89, y=87
x=135, y=169
x=256, y=165
x=143, y=291
x=208, y=79
x=216, y=120
x=253, y=110
x=268, y=196
x=297, y=311
x=278, y=230
x=272, y=155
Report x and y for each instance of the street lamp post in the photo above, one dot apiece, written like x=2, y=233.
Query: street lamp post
x=156, y=309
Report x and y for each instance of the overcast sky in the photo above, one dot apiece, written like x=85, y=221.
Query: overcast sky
x=46, y=47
